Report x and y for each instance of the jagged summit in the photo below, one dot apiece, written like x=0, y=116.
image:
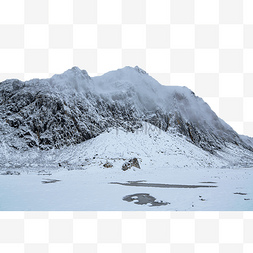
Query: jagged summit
x=73, y=107
x=74, y=72
x=140, y=70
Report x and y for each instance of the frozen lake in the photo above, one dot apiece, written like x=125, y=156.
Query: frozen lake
x=97, y=189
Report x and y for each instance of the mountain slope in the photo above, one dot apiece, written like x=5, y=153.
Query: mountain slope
x=152, y=147
x=72, y=107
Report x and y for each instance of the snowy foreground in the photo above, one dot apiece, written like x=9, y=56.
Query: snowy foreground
x=174, y=175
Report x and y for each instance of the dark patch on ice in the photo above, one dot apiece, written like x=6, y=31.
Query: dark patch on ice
x=48, y=181
x=246, y=199
x=143, y=199
x=141, y=184
x=208, y=182
x=240, y=193
x=10, y=173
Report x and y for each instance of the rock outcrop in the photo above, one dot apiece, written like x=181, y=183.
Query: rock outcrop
x=131, y=163
x=108, y=165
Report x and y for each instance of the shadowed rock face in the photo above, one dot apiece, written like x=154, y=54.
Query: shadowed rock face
x=72, y=107
x=48, y=120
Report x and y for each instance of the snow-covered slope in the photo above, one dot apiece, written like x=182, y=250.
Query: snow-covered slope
x=152, y=147
x=72, y=107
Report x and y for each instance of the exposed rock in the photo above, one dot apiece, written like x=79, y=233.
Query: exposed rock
x=46, y=120
x=135, y=163
x=11, y=173
x=131, y=163
x=108, y=165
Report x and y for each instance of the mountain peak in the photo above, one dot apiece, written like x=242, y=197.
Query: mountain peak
x=77, y=72
x=141, y=71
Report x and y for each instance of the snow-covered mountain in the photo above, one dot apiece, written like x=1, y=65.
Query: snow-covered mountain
x=73, y=107
x=120, y=141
